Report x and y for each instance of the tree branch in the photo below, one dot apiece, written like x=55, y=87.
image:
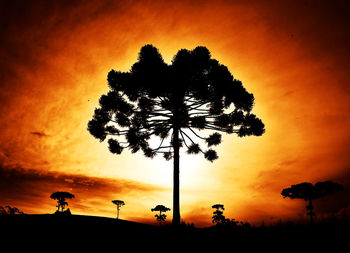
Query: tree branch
x=160, y=144
x=196, y=105
x=199, y=113
x=183, y=138
x=155, y=149
x=161, y=114
x=211, y=127
x=196, y=134
x=187, y=136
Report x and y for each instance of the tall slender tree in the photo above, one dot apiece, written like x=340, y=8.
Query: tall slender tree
x=173, y=102
x=119, y=204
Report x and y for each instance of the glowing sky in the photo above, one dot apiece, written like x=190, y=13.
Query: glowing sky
x=292, y=55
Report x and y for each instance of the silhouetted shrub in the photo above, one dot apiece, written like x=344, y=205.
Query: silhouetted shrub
x=8, y=210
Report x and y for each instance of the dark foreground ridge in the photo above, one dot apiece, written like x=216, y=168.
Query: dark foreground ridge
x=80, y=230
x=72, y=225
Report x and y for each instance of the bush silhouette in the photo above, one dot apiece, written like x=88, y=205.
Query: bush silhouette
x=160, y=217
x=172, y=102
x=218, y=217
x=309, y=192
x=61, y=201
x=118, y=203
x=222, y=222
x=9, y=210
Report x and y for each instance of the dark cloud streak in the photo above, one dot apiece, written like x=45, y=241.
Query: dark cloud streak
x=30, y=189
x=39, y=134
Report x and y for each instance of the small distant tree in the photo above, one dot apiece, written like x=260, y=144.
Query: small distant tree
x=118, y=203
x=309, y=192
x=160, y=217
x=218, y=217
x=61, y=200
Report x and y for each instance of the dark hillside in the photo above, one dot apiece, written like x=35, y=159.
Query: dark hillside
x=82, y=231
x=58, y=223
x=72, y=228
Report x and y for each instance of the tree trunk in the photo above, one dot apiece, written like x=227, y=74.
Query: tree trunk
x=160, y=218
x=310, y=208
x=176, y=187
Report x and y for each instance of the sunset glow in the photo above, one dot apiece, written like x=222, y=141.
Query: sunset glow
x=292, y=55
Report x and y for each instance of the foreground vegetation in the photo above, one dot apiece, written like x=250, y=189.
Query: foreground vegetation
x=73, y=227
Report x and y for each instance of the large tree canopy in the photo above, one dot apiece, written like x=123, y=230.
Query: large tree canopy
x=193, y=93
x=308, y=191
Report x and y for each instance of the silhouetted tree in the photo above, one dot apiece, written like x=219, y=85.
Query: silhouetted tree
x=61, y=200
x=160, y=217
x=9, y=210
x=118, y=203
x=172, y=102
x=309, y=192
x=218, y=217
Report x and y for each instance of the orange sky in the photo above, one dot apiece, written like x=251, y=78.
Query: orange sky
x=293, y=56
